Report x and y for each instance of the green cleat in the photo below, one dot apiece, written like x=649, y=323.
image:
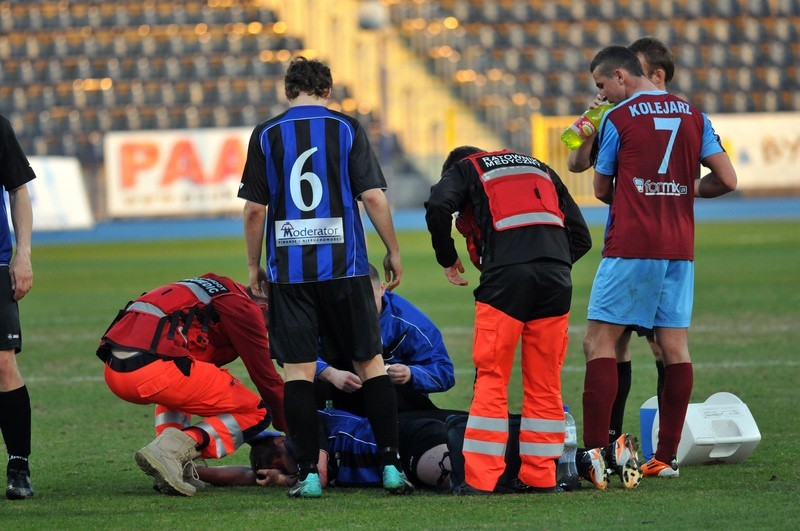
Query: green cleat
x=395, y=482
x=307, y=488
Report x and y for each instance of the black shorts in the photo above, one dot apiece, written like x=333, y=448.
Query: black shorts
x=527, y=291
x=417, y=436
x=10, y=333
x=335, y=319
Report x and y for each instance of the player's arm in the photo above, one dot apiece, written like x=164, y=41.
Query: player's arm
x=580, y=159
x=720, y=181
x=22, y=219
x=377, y=208
x=227, y=476
x=420, y=355
x=603, y=187
x=722, y=178
x=344, y=381
x=255, y=216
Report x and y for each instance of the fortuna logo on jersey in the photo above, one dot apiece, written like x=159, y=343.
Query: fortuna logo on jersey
x=308, y=231
x=659, y=188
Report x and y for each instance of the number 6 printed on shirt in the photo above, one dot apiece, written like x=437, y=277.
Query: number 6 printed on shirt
x=296, y=178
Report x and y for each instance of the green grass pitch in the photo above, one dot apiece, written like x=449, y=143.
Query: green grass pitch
x=745, y=337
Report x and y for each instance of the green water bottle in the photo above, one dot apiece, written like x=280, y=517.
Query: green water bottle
x=585, y=126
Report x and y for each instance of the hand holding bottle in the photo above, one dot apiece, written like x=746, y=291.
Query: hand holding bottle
x=587, y=124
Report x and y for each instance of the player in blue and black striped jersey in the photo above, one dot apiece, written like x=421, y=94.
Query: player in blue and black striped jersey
x=16, y=279
x=311, y=166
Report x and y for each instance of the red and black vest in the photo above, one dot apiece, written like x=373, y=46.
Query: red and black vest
x=172, y=320
x=519, y=189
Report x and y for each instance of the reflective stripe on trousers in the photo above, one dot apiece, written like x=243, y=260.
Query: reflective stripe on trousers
x=544, y=343
x=229, y=407
x=166, y=418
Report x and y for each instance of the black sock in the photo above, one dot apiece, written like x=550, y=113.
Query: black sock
x=300, y=408
x=618, y=410
x=15, y=423
x=380, y=404
x=660, y=384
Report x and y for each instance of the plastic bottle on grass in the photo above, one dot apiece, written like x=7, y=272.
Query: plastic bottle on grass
x=567, y=470
x=585, y=126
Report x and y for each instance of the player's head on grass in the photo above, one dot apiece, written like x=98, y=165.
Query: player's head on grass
x=272, y=452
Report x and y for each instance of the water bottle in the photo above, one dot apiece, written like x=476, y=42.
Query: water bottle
x=585, y=126
x=567, y=470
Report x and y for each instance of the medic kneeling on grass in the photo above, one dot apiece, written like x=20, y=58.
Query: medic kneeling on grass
x=167, y=347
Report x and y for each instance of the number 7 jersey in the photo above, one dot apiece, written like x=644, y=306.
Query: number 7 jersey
x=309, y=165
x=652, y=145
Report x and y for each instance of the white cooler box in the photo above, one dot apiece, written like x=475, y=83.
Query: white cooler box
x=721, y=429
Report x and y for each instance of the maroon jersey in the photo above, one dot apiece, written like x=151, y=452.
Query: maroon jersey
x=653, y=143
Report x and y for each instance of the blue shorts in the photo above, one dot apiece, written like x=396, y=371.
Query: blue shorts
x=643, y=292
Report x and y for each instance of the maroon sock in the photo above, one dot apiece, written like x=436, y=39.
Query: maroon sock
x=599, y=390
x=678, y=380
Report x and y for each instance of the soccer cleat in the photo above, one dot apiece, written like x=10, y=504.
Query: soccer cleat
x=622, y=459
x=19, y=485
x=462, y=489
x=520, y=487
x=307, y=488
x=165, y=458
x=592, y=467
x=395, y=482
x=657, y=469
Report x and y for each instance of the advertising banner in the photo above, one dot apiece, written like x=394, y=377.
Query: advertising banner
x=764, y=148
x=58, y=195
x=192, y=172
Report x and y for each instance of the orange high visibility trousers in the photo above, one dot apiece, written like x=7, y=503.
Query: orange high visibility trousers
x=229, y=408
x=544, y=347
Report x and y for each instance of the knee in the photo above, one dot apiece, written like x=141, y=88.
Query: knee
x=10, y=378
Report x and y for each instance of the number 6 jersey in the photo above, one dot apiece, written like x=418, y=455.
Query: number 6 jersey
x=310, y=165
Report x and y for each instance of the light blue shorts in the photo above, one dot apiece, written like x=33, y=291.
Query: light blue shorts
x=643, y=292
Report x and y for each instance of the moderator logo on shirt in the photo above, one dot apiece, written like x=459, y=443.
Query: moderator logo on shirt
x=308, y=231
x=649, y=187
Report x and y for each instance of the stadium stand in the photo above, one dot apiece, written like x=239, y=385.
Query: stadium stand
x=70, y=71
x=732, y=55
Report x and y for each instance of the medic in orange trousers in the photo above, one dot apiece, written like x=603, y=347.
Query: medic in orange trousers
x=524, y=232
x=167, y=348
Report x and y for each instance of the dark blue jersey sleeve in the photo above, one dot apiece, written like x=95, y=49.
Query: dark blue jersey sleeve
x=411, y=338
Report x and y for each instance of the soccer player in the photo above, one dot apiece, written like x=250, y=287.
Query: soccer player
x=651, y=145
x=349, y=455
x=311, y=166
x=658, y=65
x=531, y=233
x=414, y=353
x=16, y=279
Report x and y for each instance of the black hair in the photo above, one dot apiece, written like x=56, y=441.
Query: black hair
x=612, y=57
x=264, y=452
x=457, y=154
x=306, y=76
